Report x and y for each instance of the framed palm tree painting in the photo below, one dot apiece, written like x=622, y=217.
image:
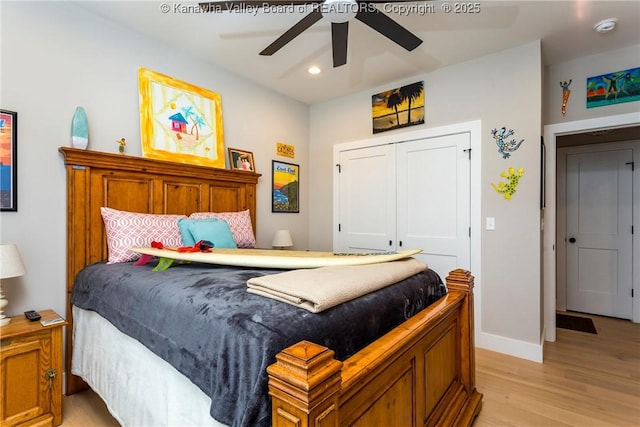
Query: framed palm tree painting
x=398, y=108
x=180, y=121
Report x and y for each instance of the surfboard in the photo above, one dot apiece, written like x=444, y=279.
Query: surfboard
x=268, y=258
x=79, y=129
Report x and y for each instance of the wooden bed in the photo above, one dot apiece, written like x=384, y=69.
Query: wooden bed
x=422, y=373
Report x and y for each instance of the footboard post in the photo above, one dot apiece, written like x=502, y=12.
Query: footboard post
x=303, y=385
x=462, y=281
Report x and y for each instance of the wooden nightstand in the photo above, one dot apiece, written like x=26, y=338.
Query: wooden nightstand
x=31, y=372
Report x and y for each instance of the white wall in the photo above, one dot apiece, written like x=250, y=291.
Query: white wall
x=56, y=56
x=579, y=70
x=503, y=89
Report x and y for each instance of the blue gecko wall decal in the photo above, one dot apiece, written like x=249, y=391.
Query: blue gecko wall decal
x=505, y=147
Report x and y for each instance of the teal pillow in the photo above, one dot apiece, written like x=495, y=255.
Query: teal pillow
x=217, y=232
x=183, y=225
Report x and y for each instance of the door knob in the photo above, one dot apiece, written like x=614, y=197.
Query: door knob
x=572, y=239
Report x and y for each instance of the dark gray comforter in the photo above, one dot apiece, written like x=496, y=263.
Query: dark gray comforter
x=201, y=320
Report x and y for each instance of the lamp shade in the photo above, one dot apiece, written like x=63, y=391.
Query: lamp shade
x=10, y=262
x=282, y=239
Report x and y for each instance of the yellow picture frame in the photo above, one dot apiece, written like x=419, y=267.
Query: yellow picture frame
x=179, y=121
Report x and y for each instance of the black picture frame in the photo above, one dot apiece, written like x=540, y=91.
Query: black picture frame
x=285, y=187
x=8, y=161
x=543, y=172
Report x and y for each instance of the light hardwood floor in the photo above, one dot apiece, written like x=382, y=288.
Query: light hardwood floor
x=586, y=380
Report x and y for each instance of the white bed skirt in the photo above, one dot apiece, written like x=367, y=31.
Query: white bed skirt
x=139, y=388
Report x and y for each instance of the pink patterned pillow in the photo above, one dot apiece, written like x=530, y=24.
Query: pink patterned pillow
x=131, y=229
x=239, y=223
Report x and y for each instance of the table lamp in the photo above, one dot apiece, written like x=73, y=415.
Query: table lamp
x=282, y=239
x=10, y=266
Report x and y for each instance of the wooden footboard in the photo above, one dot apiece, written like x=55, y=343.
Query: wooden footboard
x=422, y=373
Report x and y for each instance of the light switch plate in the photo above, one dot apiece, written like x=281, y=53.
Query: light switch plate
x=491, y=223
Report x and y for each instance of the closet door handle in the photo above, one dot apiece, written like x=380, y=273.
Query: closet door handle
x=400, y=243
x=390, y=242
x=572, y=239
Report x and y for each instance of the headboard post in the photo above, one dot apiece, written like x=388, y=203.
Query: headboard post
x=136, y=184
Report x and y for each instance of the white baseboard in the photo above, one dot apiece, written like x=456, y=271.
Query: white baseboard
x=516, y=348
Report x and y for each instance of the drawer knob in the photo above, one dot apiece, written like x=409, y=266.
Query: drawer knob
x=49, y=376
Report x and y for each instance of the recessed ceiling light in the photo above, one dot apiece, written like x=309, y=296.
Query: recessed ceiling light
x=606, y=25
x=314, y=70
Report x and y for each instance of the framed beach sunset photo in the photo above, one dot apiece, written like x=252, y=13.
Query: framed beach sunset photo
x=398, y=108
x=8, y=160
x=179, y=121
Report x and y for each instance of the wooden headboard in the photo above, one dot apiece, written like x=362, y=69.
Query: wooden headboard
x=135, y=184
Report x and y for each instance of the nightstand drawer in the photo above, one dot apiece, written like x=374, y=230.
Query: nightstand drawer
x=23, y=339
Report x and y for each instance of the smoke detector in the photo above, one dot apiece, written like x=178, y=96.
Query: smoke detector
x=606, y=25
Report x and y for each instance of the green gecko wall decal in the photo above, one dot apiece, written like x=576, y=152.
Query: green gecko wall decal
x=509, y=189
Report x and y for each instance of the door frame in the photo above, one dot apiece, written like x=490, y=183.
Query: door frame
x=549, y=234
x=561, y=196
x=474, y=128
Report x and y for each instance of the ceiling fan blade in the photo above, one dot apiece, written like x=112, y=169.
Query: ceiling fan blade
x=230, y=5
x=389, y=28
x=293, y=32
x=339, y=37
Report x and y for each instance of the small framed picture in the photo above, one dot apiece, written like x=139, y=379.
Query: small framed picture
x=241, y=160
x=285, y=187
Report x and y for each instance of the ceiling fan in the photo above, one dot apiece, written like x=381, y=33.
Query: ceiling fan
x=339, y=12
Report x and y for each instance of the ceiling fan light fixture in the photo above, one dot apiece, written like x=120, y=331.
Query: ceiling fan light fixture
x=339, y=11
x=606, y=25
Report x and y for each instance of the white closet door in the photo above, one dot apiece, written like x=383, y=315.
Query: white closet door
x=367, y=218
x=433, y=200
